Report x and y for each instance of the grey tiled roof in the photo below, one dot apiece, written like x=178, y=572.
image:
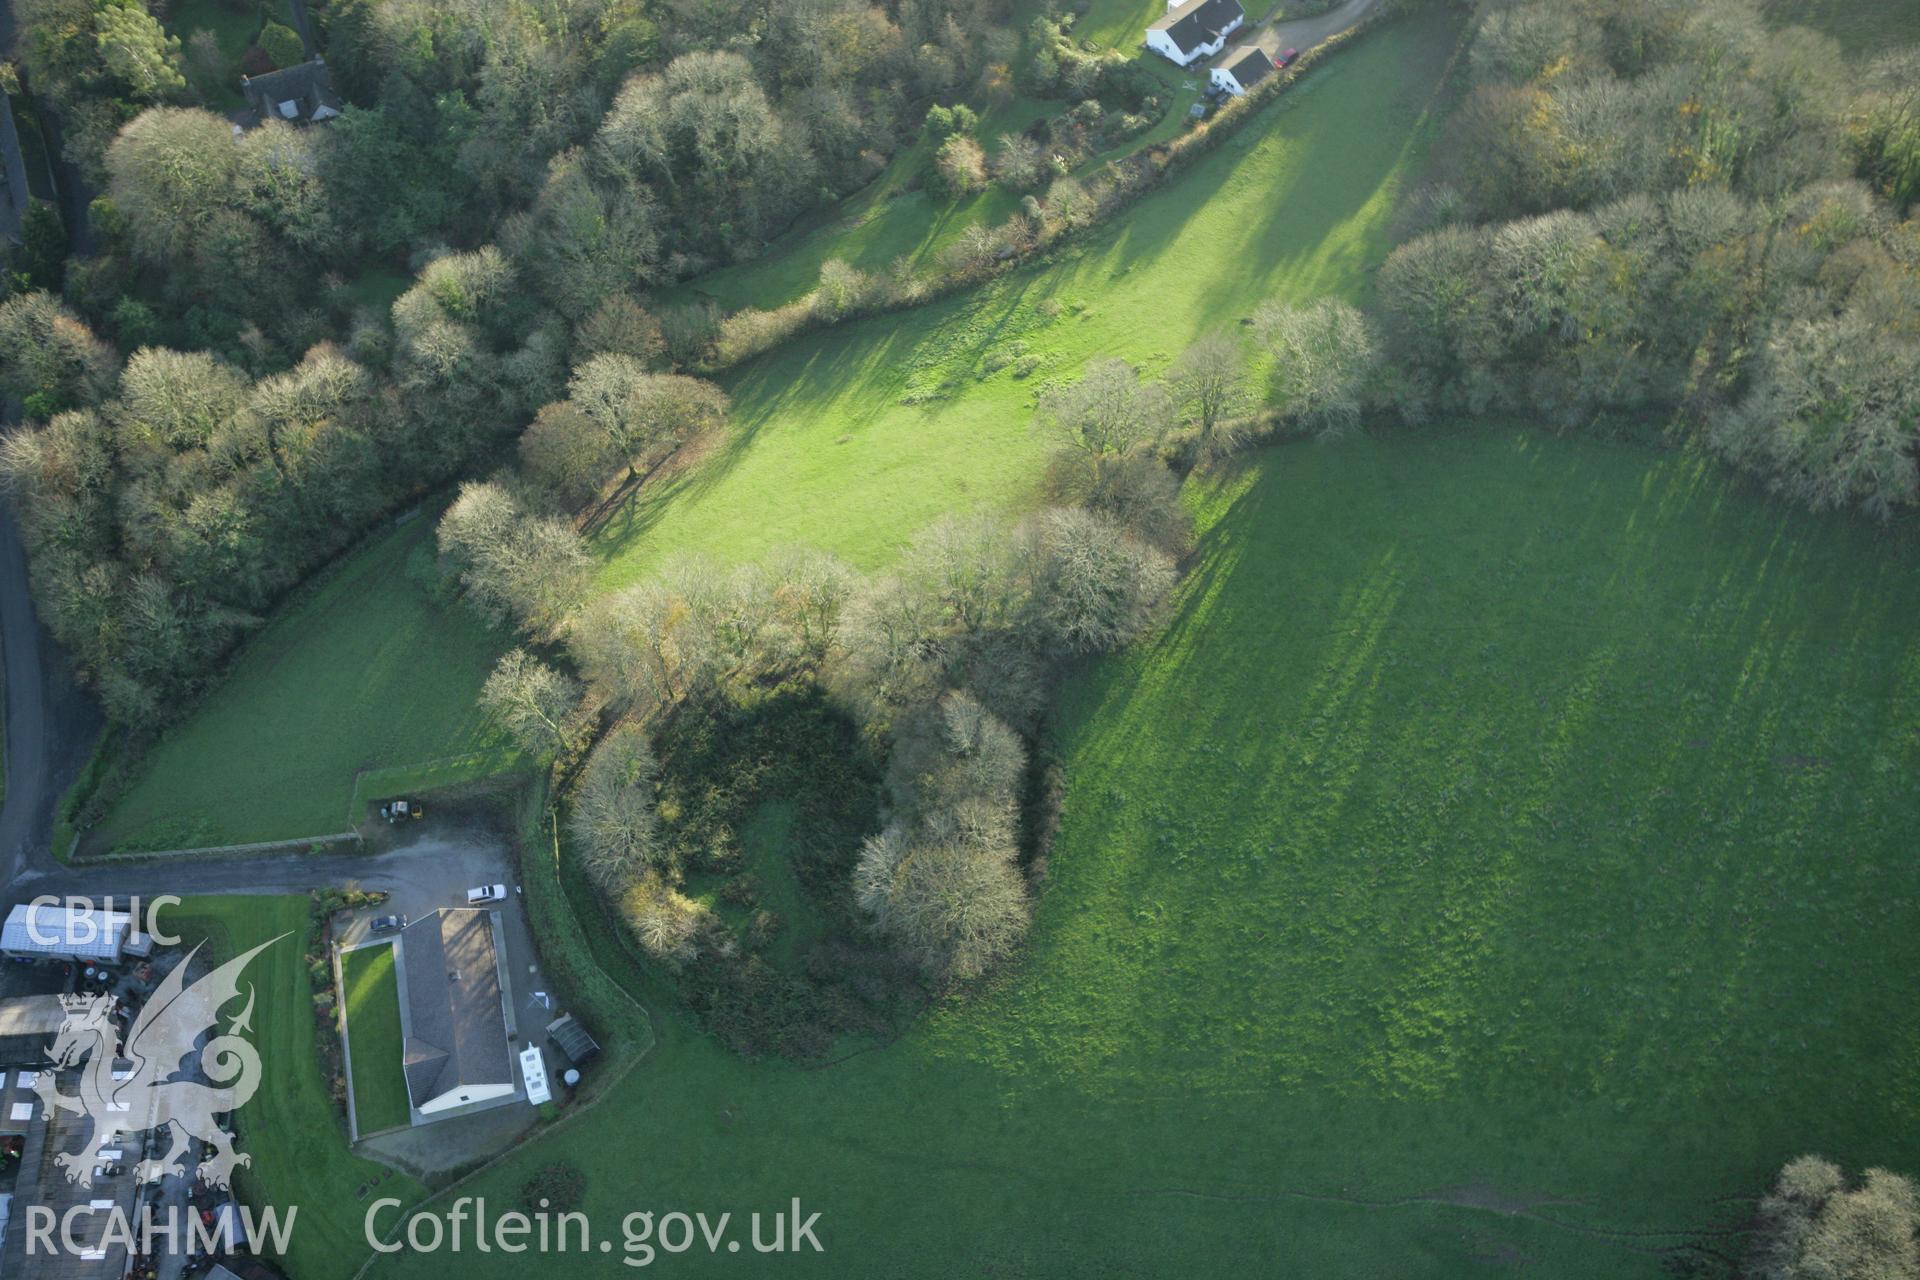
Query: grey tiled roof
x=455, y=1033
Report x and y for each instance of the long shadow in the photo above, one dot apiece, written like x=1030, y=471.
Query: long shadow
x=880, y=349
x=766, y=390
x=1342, y=164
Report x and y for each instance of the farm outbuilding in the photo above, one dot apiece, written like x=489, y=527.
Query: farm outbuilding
x=48, y=931
x=1242, y=70
x=571, y=1039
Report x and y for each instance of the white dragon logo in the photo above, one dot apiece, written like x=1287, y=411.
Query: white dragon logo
x=136, y=1086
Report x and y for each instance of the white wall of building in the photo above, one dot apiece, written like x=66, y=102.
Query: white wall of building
x=466, y=1095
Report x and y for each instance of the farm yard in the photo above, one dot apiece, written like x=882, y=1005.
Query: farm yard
x=290, y=1126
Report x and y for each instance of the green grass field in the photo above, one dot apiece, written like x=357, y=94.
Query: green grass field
x=372, y=996
x=364, y=673
x=893, y=217
x=1121, y=24
x=854, y=438
x=290, y=1127
x=360, y=673
x=1861, y=26
x=1499, y=863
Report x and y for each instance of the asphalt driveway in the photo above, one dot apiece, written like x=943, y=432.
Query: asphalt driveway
x=1302, y=33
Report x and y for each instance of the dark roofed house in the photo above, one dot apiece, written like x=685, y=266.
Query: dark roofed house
x=301, y=94
x=1245, y=69
x=455, y=1045
x=1195, y=29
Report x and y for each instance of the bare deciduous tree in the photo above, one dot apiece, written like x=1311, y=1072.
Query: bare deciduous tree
x=612, y=821
x=1098, y=588
x=565, y=454
x=1109, y=412
x=639, y=410
x=535, y=702
x=532, y=568
x=1813, y=1226
x=665, y=922
x=1324, y=355
x=956, y=905
x=1209, y=383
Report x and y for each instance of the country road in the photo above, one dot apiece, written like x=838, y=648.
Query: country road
x=51, y=725
x=422, y=868
x=69, y=186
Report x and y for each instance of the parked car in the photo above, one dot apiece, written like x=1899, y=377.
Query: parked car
x=1286, y=57
x=387, y=924
x=482, y=894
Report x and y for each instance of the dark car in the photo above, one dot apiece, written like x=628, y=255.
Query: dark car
x=1286, y=57
x=388, y=924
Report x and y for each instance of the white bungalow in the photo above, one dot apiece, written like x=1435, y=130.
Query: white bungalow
x=1195, y=29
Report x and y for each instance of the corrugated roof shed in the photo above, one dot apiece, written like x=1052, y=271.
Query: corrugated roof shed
x=572, y=1039
x=44, y=929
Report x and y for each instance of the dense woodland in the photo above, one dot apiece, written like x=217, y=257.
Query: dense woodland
x=1677, y=218
x=221, y=413
x=559, y=162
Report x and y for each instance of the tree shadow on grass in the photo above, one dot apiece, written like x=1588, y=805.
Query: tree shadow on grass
x=1515, y=757
x=1363, y=134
